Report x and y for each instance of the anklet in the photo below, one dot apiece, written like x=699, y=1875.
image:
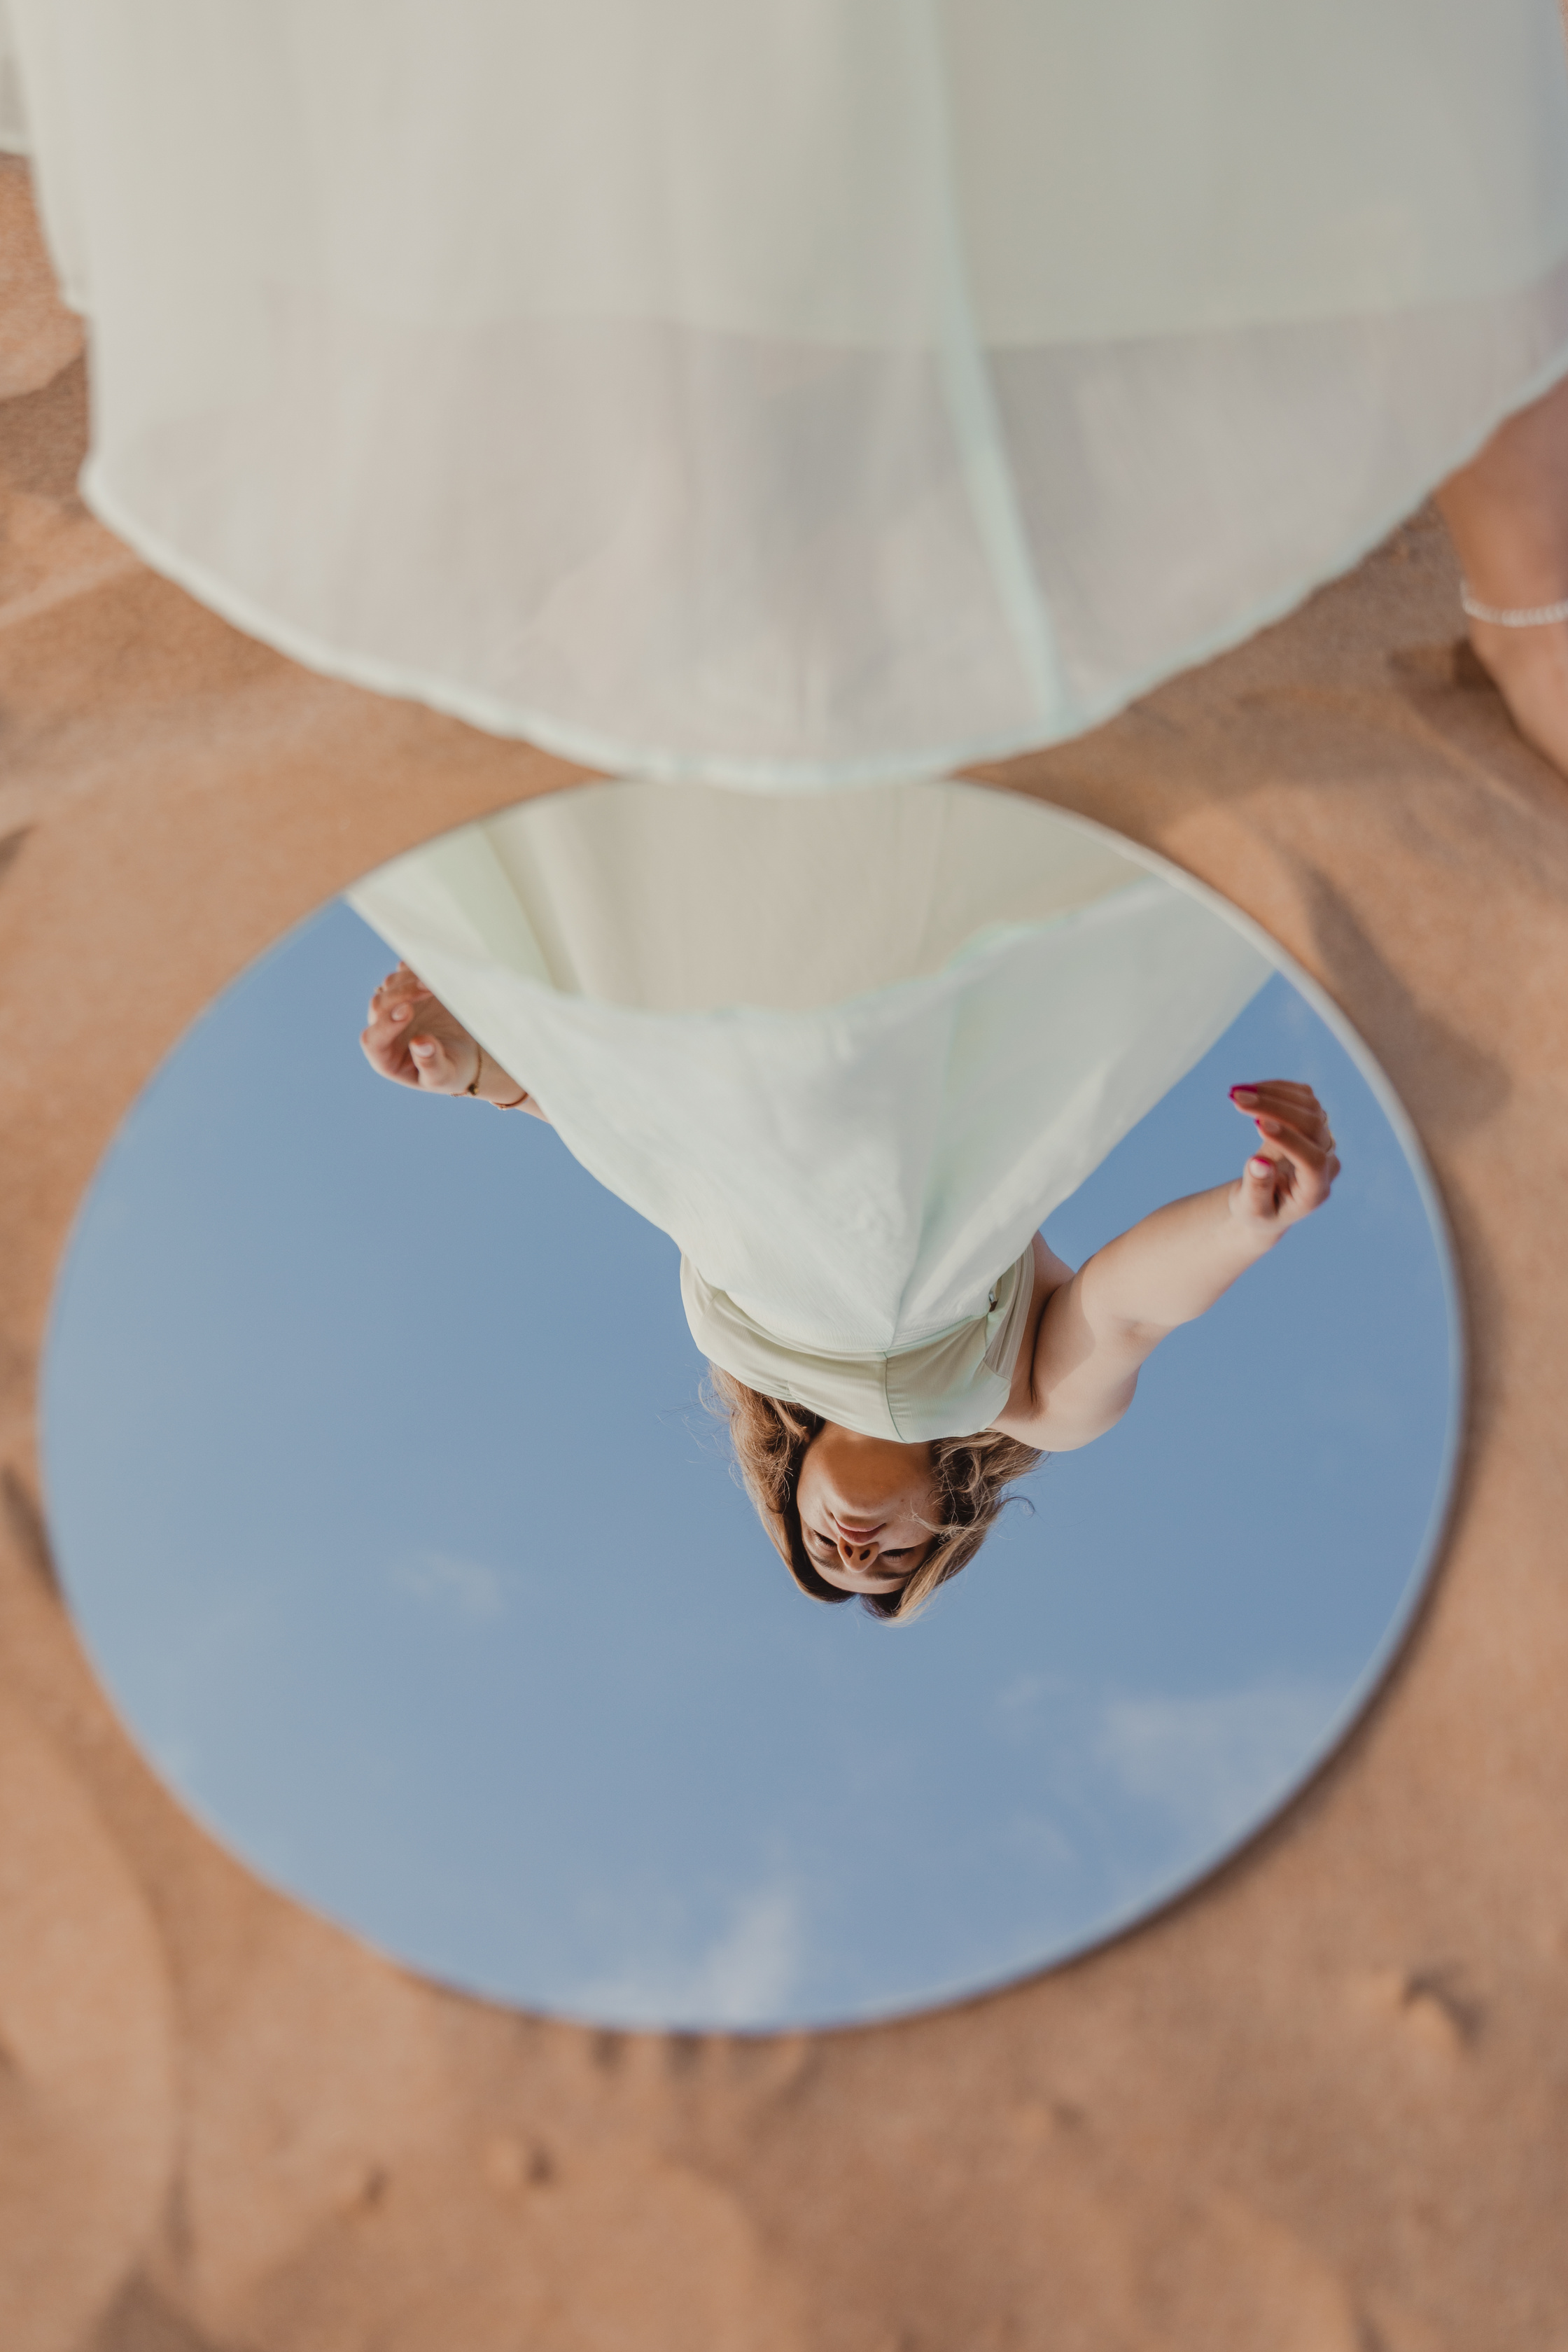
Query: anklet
x=1525, y=617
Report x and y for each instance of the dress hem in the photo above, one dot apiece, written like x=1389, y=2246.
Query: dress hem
x=611, y=756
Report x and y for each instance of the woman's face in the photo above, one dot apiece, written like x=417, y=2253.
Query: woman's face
x=866, y=1507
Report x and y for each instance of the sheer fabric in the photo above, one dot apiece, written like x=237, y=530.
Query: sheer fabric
x=693, y=899
x=783, y=390
x=14, y=138
x=855, y=1175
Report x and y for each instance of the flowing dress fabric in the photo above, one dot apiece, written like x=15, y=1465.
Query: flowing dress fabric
x=14, y=138
x=780, y=390
x=818, y=1061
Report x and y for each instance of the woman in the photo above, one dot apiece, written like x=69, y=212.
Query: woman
x=852, y=1102
x=854, y=1512
x=777, y=391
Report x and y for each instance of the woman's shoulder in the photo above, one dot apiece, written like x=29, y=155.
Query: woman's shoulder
x=1021, y=1415
x=1050, y=1272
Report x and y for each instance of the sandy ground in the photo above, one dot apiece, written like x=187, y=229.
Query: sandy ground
x=1317, y=2106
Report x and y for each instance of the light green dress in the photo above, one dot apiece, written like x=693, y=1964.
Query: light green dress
x=789, y=391
x=849, y=1052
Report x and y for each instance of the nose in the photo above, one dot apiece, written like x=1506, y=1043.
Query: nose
x=857, y=1551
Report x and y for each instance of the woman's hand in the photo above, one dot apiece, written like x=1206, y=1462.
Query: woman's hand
x=414, y=1040
x=1293, y=1169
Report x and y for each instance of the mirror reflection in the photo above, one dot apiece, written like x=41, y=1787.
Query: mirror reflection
x=856, y=1185
x=1051, y=1278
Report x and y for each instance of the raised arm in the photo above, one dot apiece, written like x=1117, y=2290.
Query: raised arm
x=1098, y=1327
x=411, y=1039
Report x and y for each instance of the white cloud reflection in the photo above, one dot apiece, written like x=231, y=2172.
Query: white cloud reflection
x=747, y=1976
x=1211, y=1763
x=468, y=1588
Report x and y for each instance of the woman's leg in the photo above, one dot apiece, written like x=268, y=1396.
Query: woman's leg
x=1507, y=512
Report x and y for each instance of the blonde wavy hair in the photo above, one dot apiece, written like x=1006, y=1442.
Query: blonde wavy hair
x=770, y=1439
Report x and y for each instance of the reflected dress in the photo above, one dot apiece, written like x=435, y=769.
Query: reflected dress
x=848, y=1053
x=786, y=391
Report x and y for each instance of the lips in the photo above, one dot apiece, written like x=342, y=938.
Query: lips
x=858, y=1535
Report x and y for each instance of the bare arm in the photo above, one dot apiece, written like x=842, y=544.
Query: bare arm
x=1100, y=1326
x=411, y=1039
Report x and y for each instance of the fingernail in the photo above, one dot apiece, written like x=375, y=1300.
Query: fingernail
x=1244, y=1094
x=1260, y=1167
x=401, y=1012
x=1269, y=1126
x=423, y=1048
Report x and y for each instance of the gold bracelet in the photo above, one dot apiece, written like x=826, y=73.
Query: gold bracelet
x=473, y=1087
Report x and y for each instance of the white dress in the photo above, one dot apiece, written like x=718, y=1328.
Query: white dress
x=789, y=391
x=848, y=1051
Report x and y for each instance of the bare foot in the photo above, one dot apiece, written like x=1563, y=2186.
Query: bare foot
x=1507, y=512
x=1531, y=675
x=413, y=1039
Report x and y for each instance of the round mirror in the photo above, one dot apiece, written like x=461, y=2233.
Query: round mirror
x=397, y=1523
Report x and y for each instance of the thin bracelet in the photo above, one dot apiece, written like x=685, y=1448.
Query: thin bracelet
x=473, y=1087
x=1523, y=616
